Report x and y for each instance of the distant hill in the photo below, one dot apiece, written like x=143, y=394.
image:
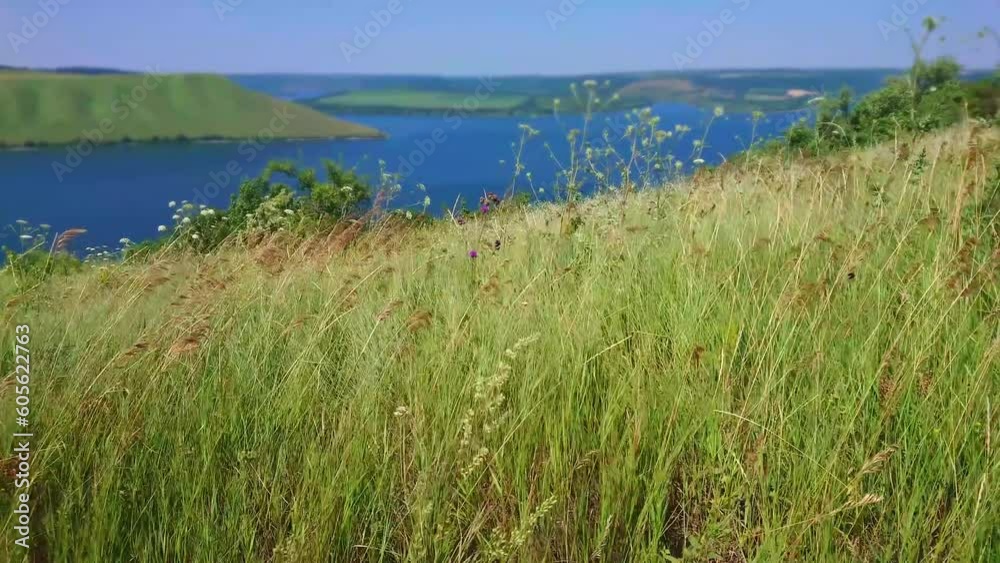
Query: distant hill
x=737, y=90
x=39, y=108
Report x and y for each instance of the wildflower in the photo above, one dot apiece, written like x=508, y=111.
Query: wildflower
x=719, y=111
x=162, y=228
x=289, y=212
x=409, y=215
x=347, y=189
x=473, y=254
x=427, y=201
x=541, y=190
x=176, y=217
x=195, y=236
x=678, y=165
x=207, y=212
x=186, y=221
x=21, y=222
x=589, y=84
x=401, y=411
x=25, y=237
x=484, y=209
x=697, y=143
x=699, y=161
x=203, y=206
x=556, y=102
x=45, y=226
x=124, y=241
x=172, y=204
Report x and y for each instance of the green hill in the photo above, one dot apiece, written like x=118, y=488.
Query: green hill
x=37, y=108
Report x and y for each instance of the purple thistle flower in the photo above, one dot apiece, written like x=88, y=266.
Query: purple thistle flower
x=484, y=209
x=473, y=254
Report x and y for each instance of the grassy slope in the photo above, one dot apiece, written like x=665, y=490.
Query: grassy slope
x=778, y=362
x=54, y=108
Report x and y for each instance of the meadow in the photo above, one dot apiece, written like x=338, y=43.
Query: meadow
x=38, y=108
x=785, y=358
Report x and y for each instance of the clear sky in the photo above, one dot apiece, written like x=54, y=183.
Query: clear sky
x=476, y=37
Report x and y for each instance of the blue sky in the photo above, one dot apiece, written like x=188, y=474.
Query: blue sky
x=475, y=37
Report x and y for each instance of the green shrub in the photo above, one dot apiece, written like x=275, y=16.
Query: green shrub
x=36, y=265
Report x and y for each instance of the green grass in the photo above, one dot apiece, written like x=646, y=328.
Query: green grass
x=774, y=361
x=40, y=108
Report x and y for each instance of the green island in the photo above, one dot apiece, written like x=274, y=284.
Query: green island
x=46, y=108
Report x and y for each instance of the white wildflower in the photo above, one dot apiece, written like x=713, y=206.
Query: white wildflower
x=172, y=204
x=162, y=228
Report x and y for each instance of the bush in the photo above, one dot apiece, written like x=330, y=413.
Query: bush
x=882, y=114
x=36, y=265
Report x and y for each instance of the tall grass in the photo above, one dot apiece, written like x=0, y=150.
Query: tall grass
x=767, y=362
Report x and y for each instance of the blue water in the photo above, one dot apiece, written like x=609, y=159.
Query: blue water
x=123, y=190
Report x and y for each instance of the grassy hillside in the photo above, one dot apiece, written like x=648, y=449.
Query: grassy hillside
x=772, y=361
x=49, y=108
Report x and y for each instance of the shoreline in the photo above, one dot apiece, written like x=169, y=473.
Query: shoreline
x=37, y=146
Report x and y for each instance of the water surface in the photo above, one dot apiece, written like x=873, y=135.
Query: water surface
x=122, y=190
